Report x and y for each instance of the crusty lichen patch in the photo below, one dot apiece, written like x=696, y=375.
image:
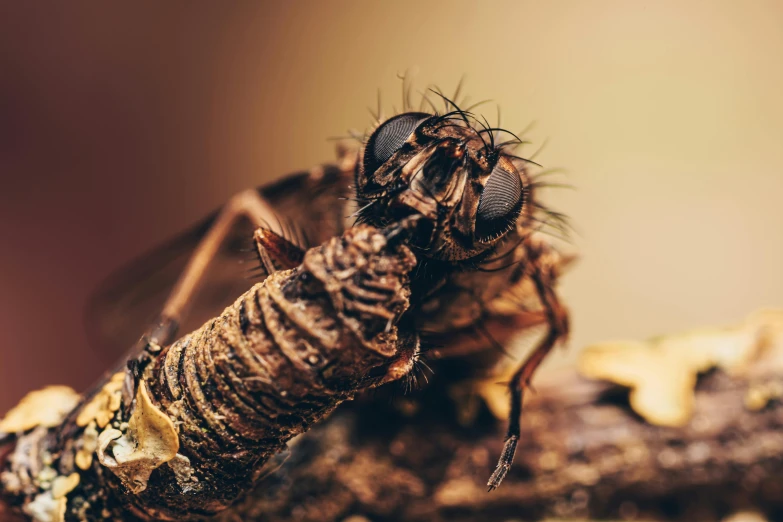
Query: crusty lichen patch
x=494, y=392
x=760, y=394
x=87, y=446
x=104, y=405
x=662, y=372
x=46, y=407
x=45, y=508
x=149, y=441
x=64, y=484
x=184, y=473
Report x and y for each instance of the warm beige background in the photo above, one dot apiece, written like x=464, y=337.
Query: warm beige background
x=119, y=125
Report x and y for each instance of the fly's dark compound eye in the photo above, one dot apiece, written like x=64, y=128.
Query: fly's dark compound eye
x=499, y=205
x=389, y=137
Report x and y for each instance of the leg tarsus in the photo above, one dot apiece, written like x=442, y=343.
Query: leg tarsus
x=151, y=343
x=504, y=464
x=161, y=334
x=557, y=318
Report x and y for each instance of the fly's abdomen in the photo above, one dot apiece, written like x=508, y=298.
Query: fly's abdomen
x=283, y=356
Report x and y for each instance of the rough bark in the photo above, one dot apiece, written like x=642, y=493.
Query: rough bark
x=584, y=453
x=426, y=456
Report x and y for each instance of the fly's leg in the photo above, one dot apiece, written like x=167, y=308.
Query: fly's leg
x=409, y=343
x=473, y=339
x=275, y=252
x=408, y=353
x=557, y=320
x=248, y=205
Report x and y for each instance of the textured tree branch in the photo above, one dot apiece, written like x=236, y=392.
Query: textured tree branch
x=584, y=454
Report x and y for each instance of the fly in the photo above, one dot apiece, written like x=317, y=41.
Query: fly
x=446, y=243
x=486, y=267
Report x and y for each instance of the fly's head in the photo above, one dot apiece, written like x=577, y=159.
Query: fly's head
x=447, y=169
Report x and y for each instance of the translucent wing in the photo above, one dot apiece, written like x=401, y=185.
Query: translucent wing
x=311, y=207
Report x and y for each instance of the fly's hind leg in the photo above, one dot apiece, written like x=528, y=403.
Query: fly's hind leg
x=247, y=204
x=557, y=320
x=274, y=252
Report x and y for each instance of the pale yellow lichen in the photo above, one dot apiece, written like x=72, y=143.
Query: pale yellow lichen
x=45, y=508
x=494, y=392
x=89, y=443
x=106, y=437
x=760, y=394
x=183, y=473
x=103, y=406
x=62, y=485
x=458, y=492
x=770, y=326
x=47, y=407
x=745, y=516
x=47, y=474
x=150, y=441
x=662, y=372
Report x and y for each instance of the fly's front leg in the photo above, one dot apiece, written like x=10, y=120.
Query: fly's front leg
x=408, y=353
x=248, y=205
x=557, y=320
x=409, y=343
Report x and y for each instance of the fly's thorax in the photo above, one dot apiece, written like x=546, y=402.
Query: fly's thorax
x=469, y=192
x=461, y=308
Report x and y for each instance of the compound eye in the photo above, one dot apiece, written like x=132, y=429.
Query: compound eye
x=499, y=204
x=389, y=137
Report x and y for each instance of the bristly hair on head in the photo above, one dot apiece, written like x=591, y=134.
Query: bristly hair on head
x=543, y=219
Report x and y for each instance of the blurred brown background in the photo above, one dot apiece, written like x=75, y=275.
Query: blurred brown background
x=120, y=125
